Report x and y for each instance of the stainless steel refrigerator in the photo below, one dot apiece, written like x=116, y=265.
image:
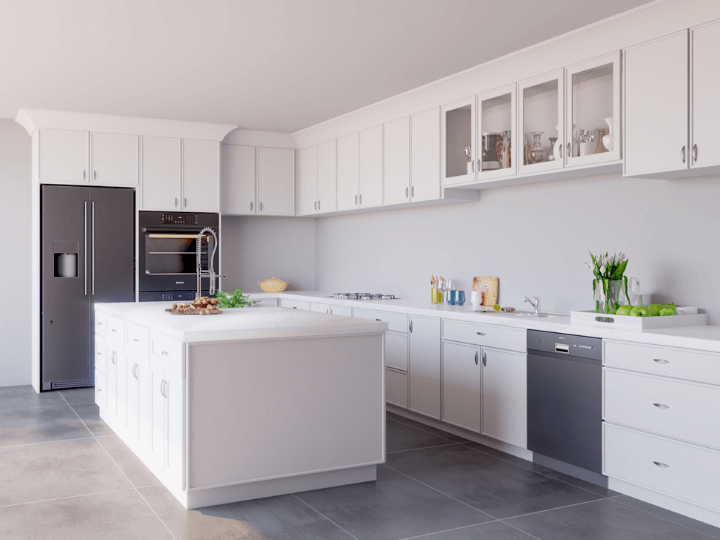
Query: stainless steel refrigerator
x=88, y=256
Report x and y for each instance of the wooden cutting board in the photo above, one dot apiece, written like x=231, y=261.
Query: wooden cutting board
x=492, y=286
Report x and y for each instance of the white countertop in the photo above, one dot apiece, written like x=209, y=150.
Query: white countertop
x=238, y=324
x=705, y=338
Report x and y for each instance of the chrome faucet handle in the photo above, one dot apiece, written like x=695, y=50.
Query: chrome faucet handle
x=534, y=301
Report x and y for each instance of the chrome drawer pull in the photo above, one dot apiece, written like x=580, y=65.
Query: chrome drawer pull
x=480, y=333
x=164, y=352
x=661, y=465
x=135, y=340
x=378, y=320
x=661, y=406
x=661, y=361
x=114, y=330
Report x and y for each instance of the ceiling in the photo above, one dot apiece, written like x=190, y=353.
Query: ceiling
x=274, y=65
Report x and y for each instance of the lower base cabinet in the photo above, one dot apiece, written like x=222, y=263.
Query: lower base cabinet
x=461, y=385
x=396, y=388
x=167, y=431
x=504, y=396
x=424, y=366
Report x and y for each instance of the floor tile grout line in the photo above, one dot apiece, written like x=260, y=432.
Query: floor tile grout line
x=520, y=530
x=423, y=448
x=46, y=442
x=324, y=516
x=538, y=472
x=551, y=509
x=66, y=498
x=122, y=472
x=35, y=408
x=451, y=530
x=666, y=519
x=441, y=492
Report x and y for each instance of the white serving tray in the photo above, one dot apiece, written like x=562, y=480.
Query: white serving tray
x=628, y=322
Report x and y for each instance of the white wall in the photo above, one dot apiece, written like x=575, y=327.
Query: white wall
x=15, y=182
x=257, y=248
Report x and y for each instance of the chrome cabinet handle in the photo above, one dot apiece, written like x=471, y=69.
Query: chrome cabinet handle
x=135, y=339
x=83, y=174
x=695, y=153
x=476, y=358
x=261, y=207
x=175, y=202
x=315, y=205
x=661, y=406
x=92, y=212
x=682, y=153
x=251, y=206
x=560, y=150
x=319, y=204
x=569, y=150
x=114, y=330
x=86, y=242
x=164, y=353
x=472, y=165
x=661, y=361
x=484, y=359
x=98, y=389
x=411, y=326
x=480, y=333
x=94, y=175
x=407, y=191
x=378, y=320
x=355, y=199
x=185, y=199
x=661, y=465
x=412, y=191
x=361, y=198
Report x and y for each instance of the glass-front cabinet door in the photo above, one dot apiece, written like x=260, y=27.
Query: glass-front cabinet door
x=540, y=123
x=459, y=153
x=593, y=111
x=497, y=152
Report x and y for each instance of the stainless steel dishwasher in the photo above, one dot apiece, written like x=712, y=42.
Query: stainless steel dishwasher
x=564, y=385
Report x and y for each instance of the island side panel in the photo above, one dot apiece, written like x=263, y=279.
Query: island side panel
x=279, y=408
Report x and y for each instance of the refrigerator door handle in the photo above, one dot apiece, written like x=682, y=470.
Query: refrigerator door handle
x=92, y=212
x=86, y=245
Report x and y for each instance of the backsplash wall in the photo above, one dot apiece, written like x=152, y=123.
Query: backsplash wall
x=536, y=239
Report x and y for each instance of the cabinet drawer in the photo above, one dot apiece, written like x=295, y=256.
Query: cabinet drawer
x=101, y=354
x=100, y=390
x=396, y=388
x=166, y=349
x=100, y=324
x=683, y=363
x=514, y=339
x=295, y=304
x=397, y=322
x=685, y=410
x=396, y=351
x=344, y=311
x=677, y=469
x=137, y=336
x=267, y=302
x=115, y=327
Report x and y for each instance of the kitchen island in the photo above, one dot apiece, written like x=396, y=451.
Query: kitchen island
x=250, y=403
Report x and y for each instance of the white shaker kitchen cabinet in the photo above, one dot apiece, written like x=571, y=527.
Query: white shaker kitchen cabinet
x=132, y=364
x=319, y=308
x=424, y=366
x=370, y=190
x=237, y=188
x=461, y=385
x=158, y=413
x=396, y=388
x=201, y=176
x=504, y=396
x=425, y=156
x=306, y=182
x=160, y=173
x=396, y=161
x=343, y=311
x=705, y=84
x=63, y=156
x=116, y=361
x=458, y=133
x=496, y=121
x=327, y=176
x=276, y=181
x=656, y=107
x=348, y=156
x=115, y=159
x=174, y=391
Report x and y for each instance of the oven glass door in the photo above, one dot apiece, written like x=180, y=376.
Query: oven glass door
x=174, y=254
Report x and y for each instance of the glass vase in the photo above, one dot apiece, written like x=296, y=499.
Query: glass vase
x=537, y=153
x=609, y=295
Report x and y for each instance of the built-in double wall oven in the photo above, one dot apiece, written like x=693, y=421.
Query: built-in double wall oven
x=167, y=243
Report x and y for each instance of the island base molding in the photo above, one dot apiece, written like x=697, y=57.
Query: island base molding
x=201, y=497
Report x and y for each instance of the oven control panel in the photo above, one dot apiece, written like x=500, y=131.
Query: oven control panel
x=180, y=219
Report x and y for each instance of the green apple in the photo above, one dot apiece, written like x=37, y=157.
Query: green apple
x=639, y=311
x=654, y=309
x=668, y=311
x=624, y=310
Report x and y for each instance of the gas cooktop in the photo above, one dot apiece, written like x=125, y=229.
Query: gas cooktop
x=364, y=296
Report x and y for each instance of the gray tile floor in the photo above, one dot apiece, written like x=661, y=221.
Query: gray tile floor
x=64, y=475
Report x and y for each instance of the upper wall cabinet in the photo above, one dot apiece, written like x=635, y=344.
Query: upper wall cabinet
x=327, y=177
x=238, y=180
x=276, y=181
x=161, y=174
x=348, y=168
x=63, y=156
x=425, y=156
x=114, y=159
x=201, y=176
x=396, y=161
x=306, y=181
x=458, y=134
x=370, y=190
x=496, y=120
x=705, y=135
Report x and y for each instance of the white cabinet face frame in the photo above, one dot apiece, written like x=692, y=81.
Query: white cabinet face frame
x=598, y=82
x=458, y=130
x=237, y=191
x=396, y=161
x=705, y=89
x=425, y=156
x=63, y=156
x=496, y=113
x=327, y=177
x=114, y=159
x=541, y=106
x=348, y=167
x=656, y=106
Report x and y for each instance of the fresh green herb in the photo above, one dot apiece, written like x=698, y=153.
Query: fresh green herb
x=234, y=299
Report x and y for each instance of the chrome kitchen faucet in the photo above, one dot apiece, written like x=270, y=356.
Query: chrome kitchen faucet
x=534, y=301
x=210, y=272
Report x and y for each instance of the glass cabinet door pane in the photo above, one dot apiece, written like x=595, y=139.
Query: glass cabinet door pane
x=541, y=123
x=592, y=110
x=495, y=140
x=459, y=153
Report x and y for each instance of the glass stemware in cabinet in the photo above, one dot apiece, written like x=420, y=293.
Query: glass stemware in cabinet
x=541, y=121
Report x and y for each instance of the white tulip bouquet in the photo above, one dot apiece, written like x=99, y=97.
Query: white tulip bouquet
x=608, y=269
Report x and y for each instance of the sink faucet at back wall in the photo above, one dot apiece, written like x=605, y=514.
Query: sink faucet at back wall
x=534, y=301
